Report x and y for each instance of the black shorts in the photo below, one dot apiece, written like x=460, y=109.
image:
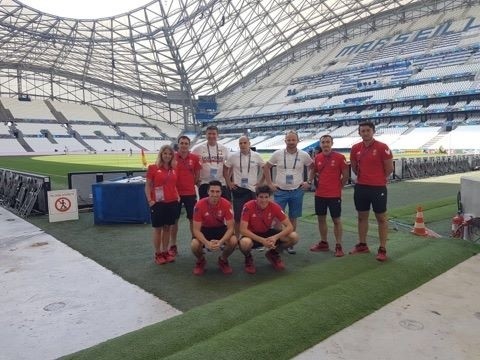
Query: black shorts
x=365, y=195
x=240, y=197
x=266, y=234
x=211, y=233
x=189, y=202
x=333, y=204
x=163, y=213
x=203, y=192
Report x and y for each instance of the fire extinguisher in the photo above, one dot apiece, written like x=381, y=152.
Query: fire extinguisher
x=457, y=220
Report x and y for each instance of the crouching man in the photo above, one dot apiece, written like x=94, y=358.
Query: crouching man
x=213, y=229
x=256, y=229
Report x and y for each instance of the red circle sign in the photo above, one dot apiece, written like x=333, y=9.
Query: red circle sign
x=63, y=204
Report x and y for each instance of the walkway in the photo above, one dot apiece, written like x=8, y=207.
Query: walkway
x=54, y=301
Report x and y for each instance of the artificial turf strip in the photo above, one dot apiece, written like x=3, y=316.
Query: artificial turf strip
x=435, y=210
x=286, y=316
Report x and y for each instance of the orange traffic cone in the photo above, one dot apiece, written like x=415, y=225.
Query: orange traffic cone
x=419, y=227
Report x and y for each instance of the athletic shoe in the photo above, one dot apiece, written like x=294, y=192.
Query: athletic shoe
x=338, y=250
x=199, y=268
x=382, y=254
x=173, y=251
x=160, y=259
x=291, y=250
x=168, y=258
x=321, y=246
x=360, y=248
x=249, y=265
x=274, y=257
x=224, y=266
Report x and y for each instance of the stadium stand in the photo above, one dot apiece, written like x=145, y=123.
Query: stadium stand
x=417, y=87
x=34, y=109
x=49, y=127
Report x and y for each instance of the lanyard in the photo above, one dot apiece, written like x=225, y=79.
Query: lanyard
x=285, y=160
x=210, y=156
x=249, y=158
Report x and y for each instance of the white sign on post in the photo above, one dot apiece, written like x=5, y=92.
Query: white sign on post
x=62, y=205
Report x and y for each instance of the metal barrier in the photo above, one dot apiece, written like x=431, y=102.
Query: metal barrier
x=22, y=192
x=416, y=168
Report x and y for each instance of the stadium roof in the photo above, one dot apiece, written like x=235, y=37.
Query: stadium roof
x=166, y=51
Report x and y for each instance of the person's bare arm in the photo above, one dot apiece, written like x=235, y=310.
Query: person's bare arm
x=388, y=167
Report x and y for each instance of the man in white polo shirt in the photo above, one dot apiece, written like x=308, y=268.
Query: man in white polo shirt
x=212, y=157
x=242, y=170
x=289, y=182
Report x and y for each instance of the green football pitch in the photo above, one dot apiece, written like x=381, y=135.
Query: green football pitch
x=58, y=166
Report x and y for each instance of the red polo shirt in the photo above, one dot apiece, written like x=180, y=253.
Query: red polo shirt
x=187, y=168
x=166, y=179
x=329, y=169
x=212, y=215
x=370, y=162
x=260, y=220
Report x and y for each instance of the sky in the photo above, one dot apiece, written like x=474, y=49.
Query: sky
x=85, y=9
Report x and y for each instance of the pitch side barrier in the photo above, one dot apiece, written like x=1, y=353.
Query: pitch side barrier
x=422, y=167
x=83, y=181
x=23, y=193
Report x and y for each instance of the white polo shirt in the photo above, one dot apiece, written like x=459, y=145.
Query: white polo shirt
x=212, y=159
x=246, y=168
x=290, y=168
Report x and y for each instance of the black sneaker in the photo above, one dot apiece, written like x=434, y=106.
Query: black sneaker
x=291, y=250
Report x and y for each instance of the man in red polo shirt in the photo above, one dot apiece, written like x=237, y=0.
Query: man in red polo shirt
x=188, y=171
x=332, y=170
x=372, y=162
x=256, y=228
x=213, y=228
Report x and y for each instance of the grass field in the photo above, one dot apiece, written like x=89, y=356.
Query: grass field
x=58, y=166
x=269, y=315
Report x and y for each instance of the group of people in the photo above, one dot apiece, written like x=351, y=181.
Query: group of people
x=236, y=206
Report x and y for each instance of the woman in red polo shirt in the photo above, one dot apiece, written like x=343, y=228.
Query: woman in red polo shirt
x=162, y=196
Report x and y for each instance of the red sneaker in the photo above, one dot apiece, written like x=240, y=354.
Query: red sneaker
x=160, y=259
x=360, y=248
x=173, y=251
x=199, y=268
x=321, y=246
x=274, y=258
x=168, y=258
x=382, y=254
x=338, y=251
x=224, y=266
x=249, y=265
